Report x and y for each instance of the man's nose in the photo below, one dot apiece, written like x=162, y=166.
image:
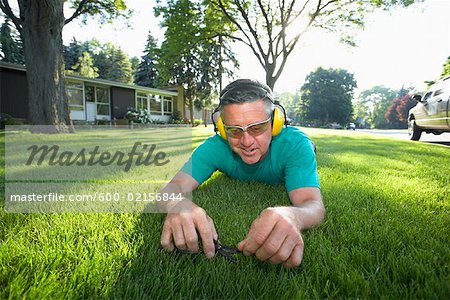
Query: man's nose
x=247, y=140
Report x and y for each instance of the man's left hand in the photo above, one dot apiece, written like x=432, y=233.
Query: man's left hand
x=275, y=236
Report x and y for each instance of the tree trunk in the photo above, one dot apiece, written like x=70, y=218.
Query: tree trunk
x=270, y=80
x=43, y=22
x=191, y=109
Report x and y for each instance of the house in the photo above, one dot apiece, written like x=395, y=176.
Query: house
x=91, y=99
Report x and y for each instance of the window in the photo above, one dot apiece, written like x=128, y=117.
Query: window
x=438, y=92
x=141, y=101
x=427, y=95
x=90, y=93
x=99, y=95
x=167, y=105
x=155, y=104
x=75, y=96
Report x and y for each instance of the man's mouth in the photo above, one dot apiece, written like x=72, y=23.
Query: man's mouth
x=249, y=151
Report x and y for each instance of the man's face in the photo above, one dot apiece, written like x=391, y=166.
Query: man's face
x=251, y=149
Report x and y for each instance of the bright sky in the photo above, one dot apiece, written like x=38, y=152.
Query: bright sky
x=401, y=47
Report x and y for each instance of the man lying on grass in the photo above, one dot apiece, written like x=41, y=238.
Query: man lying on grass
x=252, y=145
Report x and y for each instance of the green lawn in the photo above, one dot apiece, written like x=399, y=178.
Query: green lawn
x=386, y=235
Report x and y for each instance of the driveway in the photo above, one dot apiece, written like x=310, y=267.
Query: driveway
x=443, y=139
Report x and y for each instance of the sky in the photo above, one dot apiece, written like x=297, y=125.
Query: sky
x=403, y=47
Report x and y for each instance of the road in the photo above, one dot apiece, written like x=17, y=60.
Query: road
x=443, y=139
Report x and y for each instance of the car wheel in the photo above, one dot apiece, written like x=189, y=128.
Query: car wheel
x=414, y=131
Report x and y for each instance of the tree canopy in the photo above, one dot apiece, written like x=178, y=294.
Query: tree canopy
x=272, y=29
x=326, y=96
x=147, y=69
x=194, y=50
x=10, y=44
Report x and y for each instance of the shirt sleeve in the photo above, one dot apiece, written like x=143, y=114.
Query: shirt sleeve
x=301, y=166
x=202, y=162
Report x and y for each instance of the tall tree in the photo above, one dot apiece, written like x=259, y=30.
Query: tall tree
x=72, y=53
x=179, y=64
x=273, y=28
x=147, y=72
x=120, y=69
x=85, y=66
x=40, y=24
x=191, y=53
x=327, y=96
x=10, y=45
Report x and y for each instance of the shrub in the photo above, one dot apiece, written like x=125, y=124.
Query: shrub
x=198, y=122
x=6, y=119
x=176, y=118
x=140, y=116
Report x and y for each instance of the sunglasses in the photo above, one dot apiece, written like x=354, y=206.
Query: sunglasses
x=254, y=129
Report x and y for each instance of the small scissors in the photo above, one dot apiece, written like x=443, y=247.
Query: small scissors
x=226, y=251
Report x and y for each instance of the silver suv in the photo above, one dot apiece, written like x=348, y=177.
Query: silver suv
x=431, y=113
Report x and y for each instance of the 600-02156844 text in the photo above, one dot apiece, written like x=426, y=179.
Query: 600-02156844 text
x=97, y=196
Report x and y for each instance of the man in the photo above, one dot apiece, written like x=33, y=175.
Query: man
x=251, y=147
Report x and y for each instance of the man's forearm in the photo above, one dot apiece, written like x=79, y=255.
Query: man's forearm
x=308, y=214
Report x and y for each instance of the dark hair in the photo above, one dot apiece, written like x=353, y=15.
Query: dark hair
x=247, y=90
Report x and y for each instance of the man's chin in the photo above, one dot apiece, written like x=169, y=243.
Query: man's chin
x=250, y=160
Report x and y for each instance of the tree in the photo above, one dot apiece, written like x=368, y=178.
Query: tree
x=85, y=66
x=10, y=45
x=397, y=113
x=272, y=29
x=372, y=104
x=327, y=96
x=40, y=25
x=446, y=68
x=120, y=69
x=290, y=102
x=72, y=53
x=147, y=72
x=193, y=50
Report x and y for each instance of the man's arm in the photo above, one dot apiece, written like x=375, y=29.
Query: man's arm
x=181, y=225
x=276, y=234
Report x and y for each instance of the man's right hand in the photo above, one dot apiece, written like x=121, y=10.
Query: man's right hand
x=180, y=230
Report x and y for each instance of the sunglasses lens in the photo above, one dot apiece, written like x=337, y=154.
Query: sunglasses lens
x=254, y=130
x=234, y=132
x=257, y=129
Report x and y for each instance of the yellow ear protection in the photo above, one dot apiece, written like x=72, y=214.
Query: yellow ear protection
x=278, y=120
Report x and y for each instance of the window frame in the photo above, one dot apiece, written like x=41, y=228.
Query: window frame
x=97, y=103
x=70, y=85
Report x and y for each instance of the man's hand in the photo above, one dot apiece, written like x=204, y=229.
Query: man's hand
x=275, y=236
x=180, y=230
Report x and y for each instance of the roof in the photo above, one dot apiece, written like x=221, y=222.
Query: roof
x=98, y=81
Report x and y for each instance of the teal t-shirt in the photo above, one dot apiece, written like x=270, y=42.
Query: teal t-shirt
x=290, y=161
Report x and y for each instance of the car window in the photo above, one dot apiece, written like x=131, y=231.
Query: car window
x=427, y=95
x=438, y=92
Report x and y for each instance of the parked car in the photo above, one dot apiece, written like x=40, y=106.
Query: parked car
x=351, y=126
x=431, y=113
